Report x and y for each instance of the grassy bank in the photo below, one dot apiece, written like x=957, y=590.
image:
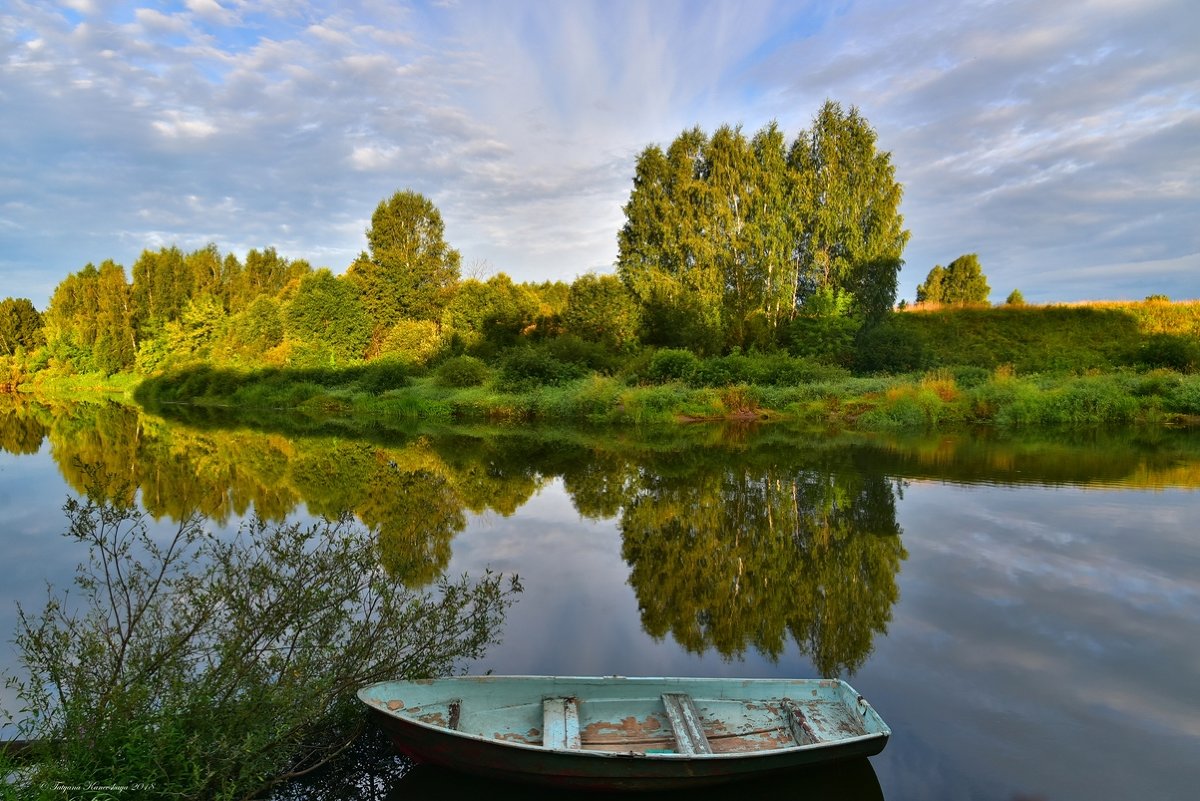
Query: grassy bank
x=1010, y=367
x=939, y=398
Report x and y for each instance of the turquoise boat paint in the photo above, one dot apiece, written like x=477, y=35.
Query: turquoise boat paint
x=619, y=733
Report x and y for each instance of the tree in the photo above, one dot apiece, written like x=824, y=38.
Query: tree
x=931, y=290
x=20, y=326
x=326, y=311
x=495, y=311
x=600, y=309
x=89, y=323
x=851, y=233
x=664, y=257
x=410, y=271
x=1015, y=298
x=725, y=236
x=961, y=282
x=162, y=286
x=239, y=648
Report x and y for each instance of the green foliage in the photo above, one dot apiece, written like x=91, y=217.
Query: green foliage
x=712, y=226
x=326, y=311
x=410, y=271
x=1172, y=351
x=848, y=200
x=600, y=309
x=1015, y=298
x=412, y=341
x=20, y=326
x=825, y=327
x=1184, y=397
x=89, y=323
x=528, y=367
x=462, y=371
x=891, y=347
x=591, y=356
x=490, y=314
x=961, y=283
x=931, y=291
x=672, y=365
x=250, y=679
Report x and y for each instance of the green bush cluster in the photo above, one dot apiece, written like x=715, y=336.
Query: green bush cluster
x=461, y=372
x=529, y=367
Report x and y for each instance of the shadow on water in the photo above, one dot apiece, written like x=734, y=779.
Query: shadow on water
x=372, y=772
x=851, y=779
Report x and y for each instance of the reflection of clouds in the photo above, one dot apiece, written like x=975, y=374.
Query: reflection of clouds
x=1059, y=627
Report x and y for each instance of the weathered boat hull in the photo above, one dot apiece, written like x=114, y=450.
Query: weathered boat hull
x=618, y=733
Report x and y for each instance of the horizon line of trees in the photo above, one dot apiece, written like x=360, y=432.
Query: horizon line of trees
x=730, y=242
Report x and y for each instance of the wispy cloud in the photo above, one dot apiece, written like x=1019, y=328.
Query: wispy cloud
x=1038, y=135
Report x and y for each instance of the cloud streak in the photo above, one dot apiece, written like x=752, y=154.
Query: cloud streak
x=1053, y=140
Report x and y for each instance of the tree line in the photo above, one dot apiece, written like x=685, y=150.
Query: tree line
x=730, y=242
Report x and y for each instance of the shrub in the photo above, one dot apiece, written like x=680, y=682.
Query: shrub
x=382, y=376
x=672, y=365
x=1172, y=351
x=526, y=368
x=889, y=348
x=1184, y=398
x=248, y=680
x=594, y=356
x=461, y=371
x=413, y=341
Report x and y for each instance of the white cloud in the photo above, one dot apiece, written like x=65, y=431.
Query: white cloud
x=1027, y=132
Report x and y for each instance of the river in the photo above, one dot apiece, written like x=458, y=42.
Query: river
x=1023, y=611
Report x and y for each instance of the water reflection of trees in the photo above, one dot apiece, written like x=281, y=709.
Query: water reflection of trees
x=735, y=557
x=21, y=430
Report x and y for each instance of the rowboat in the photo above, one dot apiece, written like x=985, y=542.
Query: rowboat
x=618, y=733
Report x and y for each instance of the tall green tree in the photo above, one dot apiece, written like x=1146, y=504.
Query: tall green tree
x=410, y=271
x=725, y=236
x=664, y=255
x=89, y=322
x=326, y=312
x=961, y=282
x=20, y=326
x=771, y=235
x=851, y=232
x=266, y=273
x=930, y=291
x=965, y=282
x=162, y=286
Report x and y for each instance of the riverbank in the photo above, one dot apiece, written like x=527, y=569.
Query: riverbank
x=1009, y=367
x=943, y=398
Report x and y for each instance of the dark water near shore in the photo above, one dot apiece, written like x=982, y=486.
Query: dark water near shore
x=1024, y=612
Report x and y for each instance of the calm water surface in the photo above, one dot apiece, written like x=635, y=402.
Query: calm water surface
x=1025, y=613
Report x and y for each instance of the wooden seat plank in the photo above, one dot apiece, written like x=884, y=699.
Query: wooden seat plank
x=560, y=723
x=686, y=724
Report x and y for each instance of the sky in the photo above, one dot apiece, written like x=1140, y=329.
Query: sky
x=1060, y=141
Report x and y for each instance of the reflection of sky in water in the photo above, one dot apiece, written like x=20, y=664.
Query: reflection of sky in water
x=1046, y=641
x=1049, y=639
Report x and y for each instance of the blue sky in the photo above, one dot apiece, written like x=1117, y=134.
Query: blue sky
x=1060, y=141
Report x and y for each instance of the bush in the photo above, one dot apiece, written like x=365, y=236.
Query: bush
x=593, y=356
x=460, y=372
x=672, y=365
x=1172, y=351
x=1184, y=398
x=526, y=368
x=382, y=376
x=247, y=681
x=889, y=348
